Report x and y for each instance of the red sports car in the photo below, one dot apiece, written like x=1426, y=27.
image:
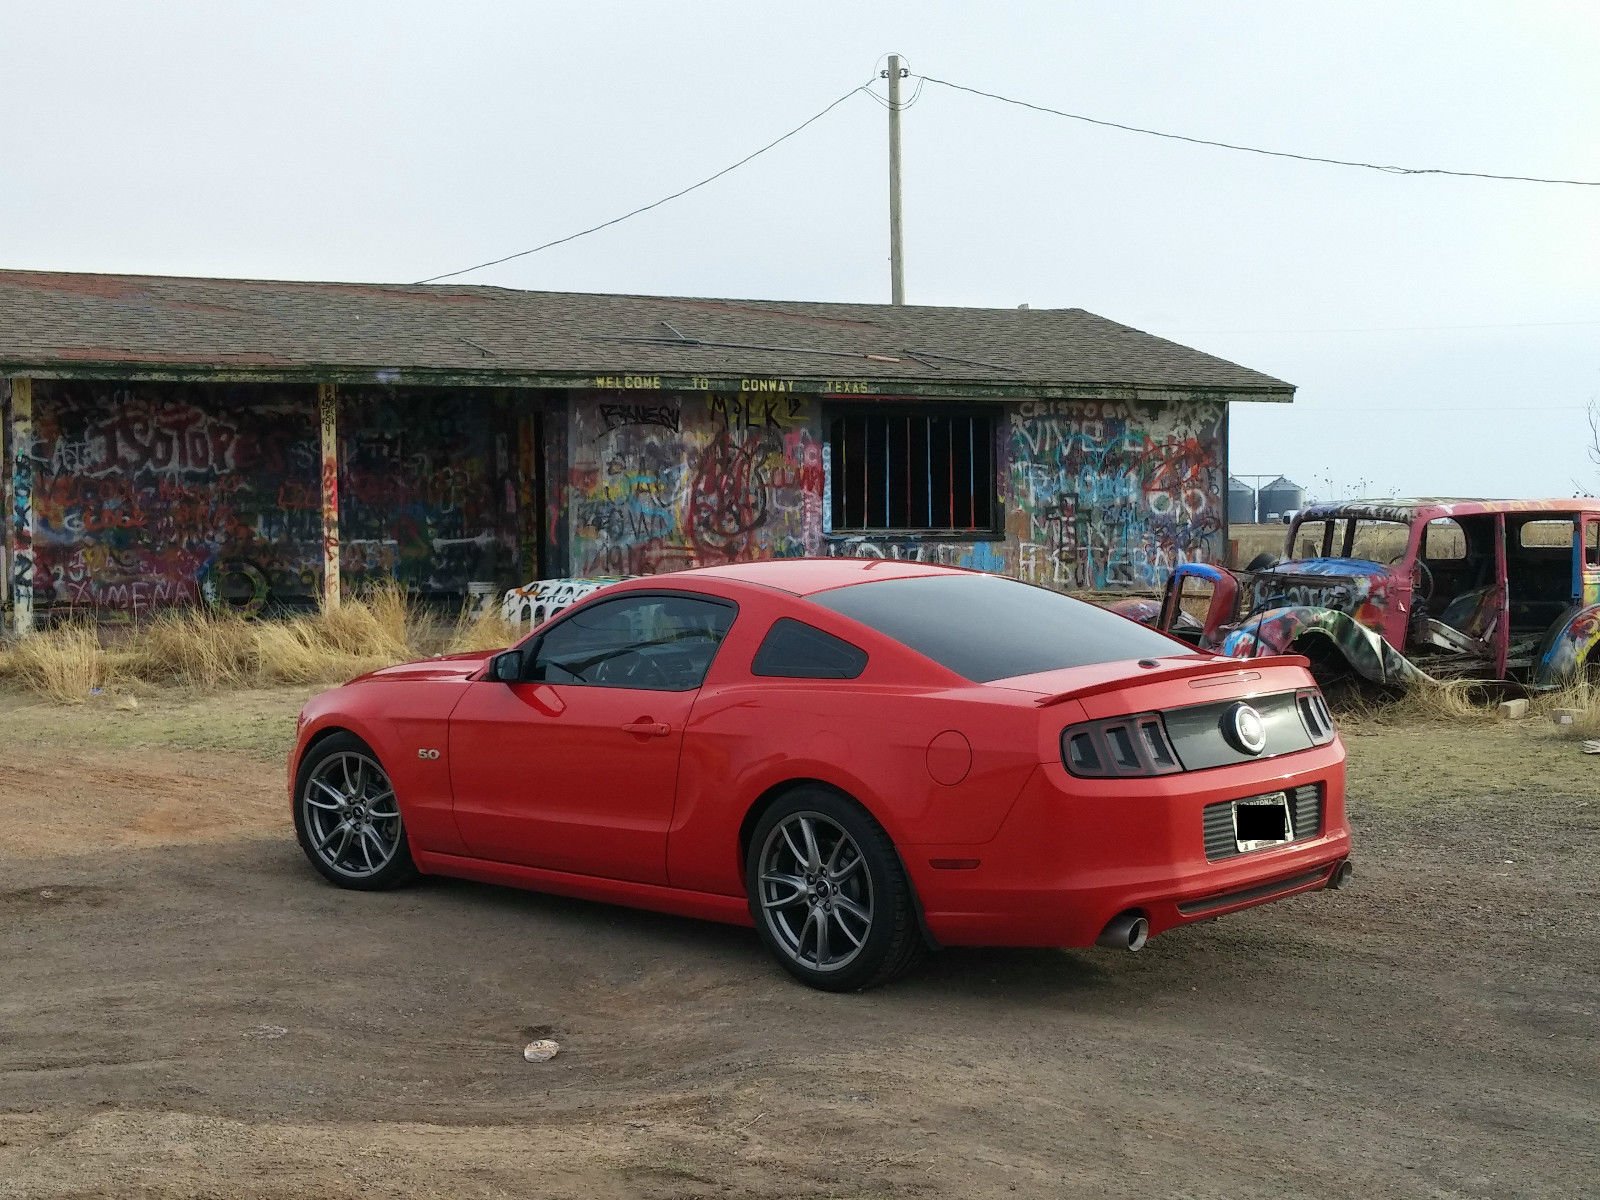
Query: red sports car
x=861, y=758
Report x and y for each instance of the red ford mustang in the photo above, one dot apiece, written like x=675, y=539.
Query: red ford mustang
x=860, y=758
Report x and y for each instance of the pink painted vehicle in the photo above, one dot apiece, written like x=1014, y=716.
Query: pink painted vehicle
x=1397, y=591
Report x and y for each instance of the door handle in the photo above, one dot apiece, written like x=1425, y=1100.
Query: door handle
x=647, y=728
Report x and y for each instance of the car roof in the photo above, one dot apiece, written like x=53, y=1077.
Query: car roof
x=807, y=576
x=1432, y=507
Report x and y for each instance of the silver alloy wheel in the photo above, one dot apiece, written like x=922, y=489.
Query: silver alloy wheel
x=816, y=891
x=352, y=820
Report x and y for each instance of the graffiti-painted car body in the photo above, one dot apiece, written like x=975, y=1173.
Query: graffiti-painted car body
x=1401, y=590
x=1052, y=777
x=535, y=603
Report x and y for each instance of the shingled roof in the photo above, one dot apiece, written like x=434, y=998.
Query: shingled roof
x=63, y=323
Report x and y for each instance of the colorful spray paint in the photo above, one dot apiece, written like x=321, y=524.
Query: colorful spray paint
x=21, y=496
x=425, y=493
x=691, y=479
x=1100, y=495
x=139, y=490
x=141, y=496
x=1113, y=494
x=328, y=420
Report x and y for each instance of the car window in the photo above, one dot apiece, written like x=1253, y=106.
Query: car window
x=1591, y=542
x=657, y=643
x=1545, y=535
x=794, y=650
x=1443, y=541
x=1377, y=541
x=1309, y=539
x=986, y=627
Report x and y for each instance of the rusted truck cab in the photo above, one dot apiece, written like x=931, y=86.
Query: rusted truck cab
x=1396, y=591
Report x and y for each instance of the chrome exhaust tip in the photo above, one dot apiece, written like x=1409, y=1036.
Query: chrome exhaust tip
x=1126, y=931
x=1341, y=875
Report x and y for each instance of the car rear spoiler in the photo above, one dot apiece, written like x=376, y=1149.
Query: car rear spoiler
x=1225, y=669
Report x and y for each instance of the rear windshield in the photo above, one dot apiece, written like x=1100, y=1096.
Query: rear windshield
x=984, y=627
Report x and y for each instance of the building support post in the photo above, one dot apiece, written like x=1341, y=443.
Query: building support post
x=21, y=489
x=328, y=412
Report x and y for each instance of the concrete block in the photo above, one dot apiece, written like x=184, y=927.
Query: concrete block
x=1512, y=710
x=1563, y=716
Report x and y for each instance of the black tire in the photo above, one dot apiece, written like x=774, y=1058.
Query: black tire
x=1262, y=561
x=891, y=940
x=319, y=819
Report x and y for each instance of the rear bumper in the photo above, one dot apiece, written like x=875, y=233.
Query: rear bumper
x=1075, y=853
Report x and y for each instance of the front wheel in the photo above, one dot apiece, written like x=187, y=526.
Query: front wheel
x=829, y=895
x=347, y=819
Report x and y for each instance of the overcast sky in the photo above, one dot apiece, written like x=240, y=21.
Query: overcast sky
x=1444, y=333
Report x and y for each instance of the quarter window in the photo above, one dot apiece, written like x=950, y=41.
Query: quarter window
x=1542, y=535
x=912, y=472
x=655, y=643
x=794, y=650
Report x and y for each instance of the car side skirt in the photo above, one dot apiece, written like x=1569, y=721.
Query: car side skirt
x=704, y=906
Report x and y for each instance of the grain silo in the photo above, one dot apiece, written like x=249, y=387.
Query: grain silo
x=1280, y=496
x=1241, y=502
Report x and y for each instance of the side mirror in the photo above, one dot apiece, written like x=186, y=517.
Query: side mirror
x=506, y=667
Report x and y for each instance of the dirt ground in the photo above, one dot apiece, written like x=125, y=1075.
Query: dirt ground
x=187, y=1010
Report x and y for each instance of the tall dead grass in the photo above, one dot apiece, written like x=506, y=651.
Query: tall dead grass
x=490, y=631
x=194, y=647
x=209, y=650
x=1583, y=699
x=1468, y=702
x=64, y=664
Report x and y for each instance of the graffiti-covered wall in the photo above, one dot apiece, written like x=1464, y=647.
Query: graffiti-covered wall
x=141, y=491
x=1098, y=494
x=136, y=494
x=428, y=489
x=139, y=488
x=1110, y=494
x=674, y=480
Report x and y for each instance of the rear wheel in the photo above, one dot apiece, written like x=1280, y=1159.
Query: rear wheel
x=347, y=819
x=829, y=895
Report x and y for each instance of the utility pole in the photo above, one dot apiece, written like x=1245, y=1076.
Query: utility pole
x=897, y=266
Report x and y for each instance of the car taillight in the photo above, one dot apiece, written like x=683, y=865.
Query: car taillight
x=1314, y=715
x=1119, y=747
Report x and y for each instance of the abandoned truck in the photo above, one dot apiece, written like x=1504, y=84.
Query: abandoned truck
x=1397, y=591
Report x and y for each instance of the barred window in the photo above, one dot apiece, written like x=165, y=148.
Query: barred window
x=912, y=472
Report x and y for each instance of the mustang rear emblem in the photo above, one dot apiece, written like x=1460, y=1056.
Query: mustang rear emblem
x=1242, y=725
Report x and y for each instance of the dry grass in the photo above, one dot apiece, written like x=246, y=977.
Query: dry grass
x=490, y=631
x=313, y=650
x=64, y=664
x=210, y=650
x=1256, y=539
x=379, y=627
x=194, y=647
x=1467, y=703
x=1583, y=698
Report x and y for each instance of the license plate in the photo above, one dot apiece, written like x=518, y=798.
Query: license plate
x=1262, y=821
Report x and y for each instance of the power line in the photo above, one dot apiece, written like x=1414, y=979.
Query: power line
x=1390, y=328
x=1401, y=413
x=811, y=120
x=1178, y=137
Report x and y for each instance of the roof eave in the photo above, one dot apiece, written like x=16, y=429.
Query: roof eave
x=461, y=376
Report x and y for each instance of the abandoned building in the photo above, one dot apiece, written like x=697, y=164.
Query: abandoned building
x=268, y=444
